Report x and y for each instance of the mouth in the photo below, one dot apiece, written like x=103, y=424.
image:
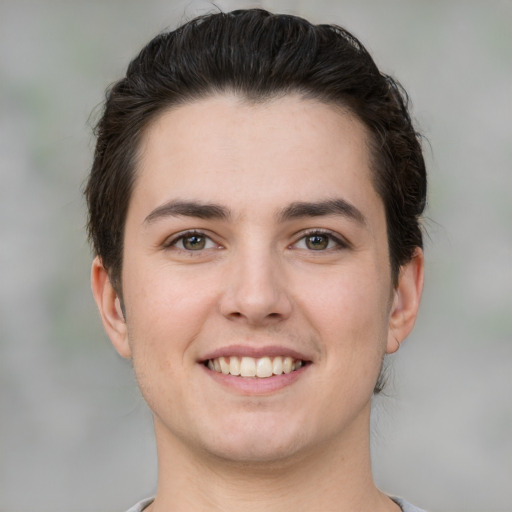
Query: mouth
x=251, y=367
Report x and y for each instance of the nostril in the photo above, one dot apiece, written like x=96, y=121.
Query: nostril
x=255, y=305
x=269, y=316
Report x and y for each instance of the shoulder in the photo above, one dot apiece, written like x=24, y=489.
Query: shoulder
x=141, y=505
x=406, y=507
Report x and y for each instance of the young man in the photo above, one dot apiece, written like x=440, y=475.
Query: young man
x=254, y=208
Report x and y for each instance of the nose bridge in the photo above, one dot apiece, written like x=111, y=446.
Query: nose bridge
x=255, y=288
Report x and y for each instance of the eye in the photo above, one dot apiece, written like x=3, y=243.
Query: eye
x=320, y=241
x=317, y=242
x=192, y=241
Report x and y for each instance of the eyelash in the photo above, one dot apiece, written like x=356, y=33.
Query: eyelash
x=174, y=241
x=340, y=243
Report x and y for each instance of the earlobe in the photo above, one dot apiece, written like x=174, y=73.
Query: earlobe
x=406, y=301
x=110, y=309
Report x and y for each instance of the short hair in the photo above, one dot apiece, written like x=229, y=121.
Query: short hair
x=258, y=56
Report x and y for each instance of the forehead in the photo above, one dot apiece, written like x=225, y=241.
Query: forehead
x=223, y=146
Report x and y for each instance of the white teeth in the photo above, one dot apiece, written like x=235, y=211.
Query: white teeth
x=277, y=366
x=224, y=365
x=234, y=366
x=262, y=367
x=248, y=367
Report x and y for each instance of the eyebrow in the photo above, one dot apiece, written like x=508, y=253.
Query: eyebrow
x=341, y=207
x=295, y=210
x=188, y=209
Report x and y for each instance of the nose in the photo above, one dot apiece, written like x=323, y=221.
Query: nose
x=255, y=290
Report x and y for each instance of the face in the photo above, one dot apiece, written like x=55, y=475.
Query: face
x=256, y=279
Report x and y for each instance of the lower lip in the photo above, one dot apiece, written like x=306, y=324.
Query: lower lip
x=255, y=385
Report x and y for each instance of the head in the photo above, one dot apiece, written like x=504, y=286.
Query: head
x=255, y=194
x=258, y=56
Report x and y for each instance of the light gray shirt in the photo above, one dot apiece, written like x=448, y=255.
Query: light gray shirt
x=406, y=507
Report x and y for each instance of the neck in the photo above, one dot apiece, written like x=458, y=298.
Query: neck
x=335, y=473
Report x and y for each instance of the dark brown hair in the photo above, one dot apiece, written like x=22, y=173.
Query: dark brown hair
x=257, y=55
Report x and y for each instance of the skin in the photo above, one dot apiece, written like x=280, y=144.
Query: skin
x=260, y=285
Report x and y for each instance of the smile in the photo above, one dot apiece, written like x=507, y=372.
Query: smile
x=262, y=367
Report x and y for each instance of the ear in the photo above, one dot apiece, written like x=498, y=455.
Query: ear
x=406, y=301
x=109, y=306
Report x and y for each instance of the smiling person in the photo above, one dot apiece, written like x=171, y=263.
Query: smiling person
x=254, y=206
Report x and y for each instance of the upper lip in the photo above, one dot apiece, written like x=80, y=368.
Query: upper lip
x=255, y=352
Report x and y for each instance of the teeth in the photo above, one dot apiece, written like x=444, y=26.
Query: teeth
x=248, y=367
x=234, y=366
x=263, y=367
x=224, y=365
x=277, y=366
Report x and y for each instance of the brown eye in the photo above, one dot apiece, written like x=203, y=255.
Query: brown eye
x=191, y=241
x=317, y=242
x=194, y=242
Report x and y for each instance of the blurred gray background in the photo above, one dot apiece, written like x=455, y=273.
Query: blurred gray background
x=74, y=433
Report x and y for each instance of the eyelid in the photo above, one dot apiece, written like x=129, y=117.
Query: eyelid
x=171, y=241
x=340, y=241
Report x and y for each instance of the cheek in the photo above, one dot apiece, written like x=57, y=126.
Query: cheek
x=352, y=298
x=351, y=312
x=162, y=303
x=162, y=322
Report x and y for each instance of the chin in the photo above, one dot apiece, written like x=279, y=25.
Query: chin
x=257, y=443
x=254, y=455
